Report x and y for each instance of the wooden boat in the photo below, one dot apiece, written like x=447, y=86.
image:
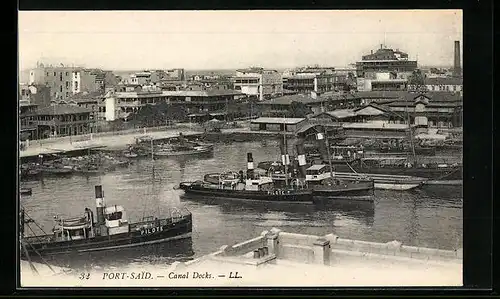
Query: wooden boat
x=130, y=155
x=385, y=181
x=435, y=173
x=25, y=191
x=110, y=230
x=178, y=150
x=53, y=169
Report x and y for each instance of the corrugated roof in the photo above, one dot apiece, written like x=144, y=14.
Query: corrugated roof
x=62, y=109
x=287, y=100
x=277, y=120
x=342, y=113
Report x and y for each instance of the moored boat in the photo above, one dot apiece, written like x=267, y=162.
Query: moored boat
x=25, y=191
x=250, y=187
x=110, y=230
x=385, y=181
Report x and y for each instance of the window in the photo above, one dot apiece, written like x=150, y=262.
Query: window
x=60, y=88
x=114, y=216
x=55, y=74
x=66, y=73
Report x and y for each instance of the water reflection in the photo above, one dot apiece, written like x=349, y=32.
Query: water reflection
x=429, y=217
x=160, y=253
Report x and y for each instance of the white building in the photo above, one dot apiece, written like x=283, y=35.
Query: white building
x=259, y=82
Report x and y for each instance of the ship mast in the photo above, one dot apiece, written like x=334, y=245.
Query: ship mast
x=285, y=154
x=410, y=133
x=328, y=152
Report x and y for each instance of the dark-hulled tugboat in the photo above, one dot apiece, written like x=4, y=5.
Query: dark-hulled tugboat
x=109, y=231
x=249, y=187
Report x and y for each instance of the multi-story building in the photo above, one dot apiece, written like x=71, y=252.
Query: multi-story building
x=258, y=82
x=63, y=120
x=384, y=70
x=307, y=82
x=65, y=81
x=35, y=94
x=385, y=60
x=174, y=75
x=197, y=104
x=382, y=81
x=27, y=120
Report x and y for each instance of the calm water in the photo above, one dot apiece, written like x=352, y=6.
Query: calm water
x=430, y=217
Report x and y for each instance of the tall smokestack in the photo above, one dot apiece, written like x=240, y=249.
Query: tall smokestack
x=285, y=158
x=250, y=166
x=320, y=141
x=457, y=69
x=99, y=204
x=301, y=156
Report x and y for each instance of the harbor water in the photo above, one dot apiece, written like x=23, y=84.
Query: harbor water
x=430, y=216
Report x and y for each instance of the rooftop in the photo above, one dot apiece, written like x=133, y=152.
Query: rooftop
x=288, y=99
x=316, y=167
x=277, y=120
x=86, y=96
x=62, y=109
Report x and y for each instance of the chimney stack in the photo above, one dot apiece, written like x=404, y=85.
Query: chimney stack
x=457, y=69
x=250, y=166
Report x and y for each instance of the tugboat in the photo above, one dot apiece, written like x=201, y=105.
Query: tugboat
x=252, y=187
x=110, y=230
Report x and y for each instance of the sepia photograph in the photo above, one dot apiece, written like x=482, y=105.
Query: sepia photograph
x=250, y=148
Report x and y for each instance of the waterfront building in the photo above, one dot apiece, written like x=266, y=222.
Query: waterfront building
x=198, y=103
x=63, y=120
x=435, y=110
x=27, y=120
x=281, y=106
x=276, y=124
x=258, y=82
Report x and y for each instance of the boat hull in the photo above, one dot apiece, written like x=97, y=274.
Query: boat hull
x=139, y=237
x=432, y=174
x=387, y=182
x=271, y=196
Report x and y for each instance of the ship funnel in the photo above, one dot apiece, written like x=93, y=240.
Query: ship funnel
x=99, y=203
x=250, y=166
x=320, y=139
x=285, y=158
x=301, y=156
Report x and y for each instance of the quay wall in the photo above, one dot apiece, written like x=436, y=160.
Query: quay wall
x=330, y=250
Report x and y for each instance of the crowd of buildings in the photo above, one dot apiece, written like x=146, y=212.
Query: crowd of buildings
x=63, y=100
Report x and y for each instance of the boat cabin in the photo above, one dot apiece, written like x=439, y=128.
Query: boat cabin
x=116, y=220
x=259, y=183
x=317, y=173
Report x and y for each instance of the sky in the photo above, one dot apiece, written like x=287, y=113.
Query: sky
x=133, y=40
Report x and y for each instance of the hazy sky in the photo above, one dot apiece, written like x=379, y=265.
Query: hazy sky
x=232, y=39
